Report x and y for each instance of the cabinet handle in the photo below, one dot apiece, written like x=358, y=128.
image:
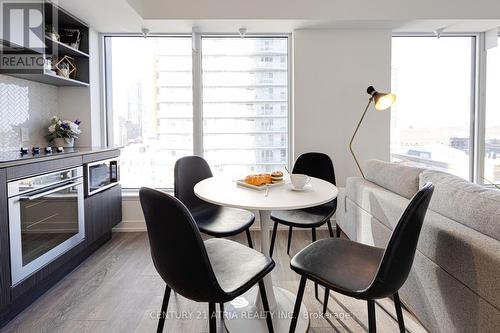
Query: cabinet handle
x=57, y=189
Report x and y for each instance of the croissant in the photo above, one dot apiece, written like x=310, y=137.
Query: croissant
x=258, y=180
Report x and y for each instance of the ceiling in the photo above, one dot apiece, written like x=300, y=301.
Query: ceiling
x=265, y=16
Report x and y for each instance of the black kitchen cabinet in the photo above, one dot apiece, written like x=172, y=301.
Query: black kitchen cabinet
x=103, y=211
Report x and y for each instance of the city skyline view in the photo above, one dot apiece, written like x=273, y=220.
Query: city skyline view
x=243, y=123
x=431, y=120
x=244, y=120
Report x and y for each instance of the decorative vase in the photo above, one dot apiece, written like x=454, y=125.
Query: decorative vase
x=53, y=36
x=64, y=142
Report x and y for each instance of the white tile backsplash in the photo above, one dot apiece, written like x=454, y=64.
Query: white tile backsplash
x=27, y=104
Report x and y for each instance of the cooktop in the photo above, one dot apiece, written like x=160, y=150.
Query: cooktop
x=34, y=152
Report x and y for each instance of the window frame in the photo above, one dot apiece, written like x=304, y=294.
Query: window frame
x=478, y=99
x=197, y=73
x=482, y=116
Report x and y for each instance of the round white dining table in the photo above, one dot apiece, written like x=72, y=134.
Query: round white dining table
x=242, y=314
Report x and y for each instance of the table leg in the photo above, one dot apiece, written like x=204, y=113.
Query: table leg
x=240, y=313
x=265, y=220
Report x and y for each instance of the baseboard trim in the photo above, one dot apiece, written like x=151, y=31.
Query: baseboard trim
x=140, y=226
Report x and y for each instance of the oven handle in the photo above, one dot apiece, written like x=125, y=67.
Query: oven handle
x=57, y=189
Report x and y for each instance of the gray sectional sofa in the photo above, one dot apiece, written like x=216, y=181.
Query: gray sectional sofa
x=454, y=285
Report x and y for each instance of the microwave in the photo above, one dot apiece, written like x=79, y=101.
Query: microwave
x=101, y=175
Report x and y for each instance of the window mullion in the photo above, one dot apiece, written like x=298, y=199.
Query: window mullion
x=197, y=96
x=107, y=81
x=480, y=110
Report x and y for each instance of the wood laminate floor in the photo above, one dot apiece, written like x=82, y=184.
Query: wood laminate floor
x=118, y=290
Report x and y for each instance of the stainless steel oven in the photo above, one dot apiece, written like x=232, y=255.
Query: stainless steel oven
x=46, y=219
x=101, y=175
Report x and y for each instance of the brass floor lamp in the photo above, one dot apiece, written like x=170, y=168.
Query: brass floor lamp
x=382, y=102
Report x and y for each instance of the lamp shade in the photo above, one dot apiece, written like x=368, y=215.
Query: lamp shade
x=382, y=101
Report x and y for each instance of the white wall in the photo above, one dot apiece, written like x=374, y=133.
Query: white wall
x=85, y=103
x=332, y=69
x=74, y=104
x=95, y=78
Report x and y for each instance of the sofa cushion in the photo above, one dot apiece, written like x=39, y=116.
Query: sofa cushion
x=444, y=304
x=384, y=205
x=459, y=293
x=340, y=215
x=398, y=178
x=468, y=255
x=473, y=205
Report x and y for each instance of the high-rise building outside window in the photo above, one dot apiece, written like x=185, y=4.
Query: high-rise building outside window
x=245, y=104
x=244, y=89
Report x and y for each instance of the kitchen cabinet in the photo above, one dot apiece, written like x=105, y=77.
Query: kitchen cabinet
x=103, y=211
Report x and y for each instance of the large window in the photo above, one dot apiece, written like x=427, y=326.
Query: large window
x=150, y=105
x=245, y=104
x=492, y=119
x=431, y=121
x=240, y=127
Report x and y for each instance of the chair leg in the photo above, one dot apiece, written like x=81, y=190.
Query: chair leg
x=316, y=294
x=298, y=302
x=265, y=303
x=273, y=239
x=399, y=312
x=221, y=306
x=164, y=306
x=289, y=239
x=249, y=238
x=212, y=320
x=372, y=325
x=330, y=229
x=325, y=300
x=337, y=230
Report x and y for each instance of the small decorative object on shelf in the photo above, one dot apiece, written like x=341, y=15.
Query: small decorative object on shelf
x=48, y=67
x=66, y=67
x=62, y=133
x=71, y=37
x=51, y=32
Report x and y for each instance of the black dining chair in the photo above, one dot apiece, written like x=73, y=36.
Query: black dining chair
x=212, y=271
x=362, y=271
x=317, y=165
x=211, y=219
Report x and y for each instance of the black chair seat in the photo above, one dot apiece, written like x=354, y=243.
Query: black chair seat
x=236, y=267
x=359, y=264
x=305, y=218
x=362, y=271
x=223, y=221
x=211, y=219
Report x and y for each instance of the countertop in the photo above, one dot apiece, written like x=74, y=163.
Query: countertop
x=68, y=152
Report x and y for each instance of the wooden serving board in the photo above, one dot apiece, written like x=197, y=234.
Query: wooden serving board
x=241, y=182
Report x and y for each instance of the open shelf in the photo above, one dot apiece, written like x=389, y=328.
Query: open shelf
x=50, y=78
x=61, y=48
x=60, y=20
